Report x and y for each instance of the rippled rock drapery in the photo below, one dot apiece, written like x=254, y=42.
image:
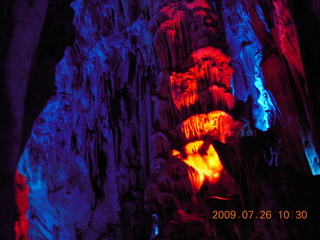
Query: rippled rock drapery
x=25, y=47
x=194, y=87
x=203, y=161
x=175, y=108
x=83, y=161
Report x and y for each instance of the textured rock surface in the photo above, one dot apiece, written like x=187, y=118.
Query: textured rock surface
x=83, y=162
x=20, y=28
x=172, y=108
x=199, y=175
x=21, y=196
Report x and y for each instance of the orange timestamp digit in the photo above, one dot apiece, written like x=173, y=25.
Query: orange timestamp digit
x=285, y=214
x=260, y=215
x=224, y=214
x=245, y=214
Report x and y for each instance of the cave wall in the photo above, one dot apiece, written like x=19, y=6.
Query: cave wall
x=136, y=98
x=83, y=162
x=21, y=33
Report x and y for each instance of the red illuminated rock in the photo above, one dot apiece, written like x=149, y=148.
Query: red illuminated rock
x=193, y=102
x=181, y=28
x=21, y=198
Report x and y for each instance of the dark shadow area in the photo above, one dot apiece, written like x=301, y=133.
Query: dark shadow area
x=57, y=33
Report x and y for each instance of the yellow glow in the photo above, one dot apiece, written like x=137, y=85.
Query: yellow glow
x=176, y=153
x=205, y=162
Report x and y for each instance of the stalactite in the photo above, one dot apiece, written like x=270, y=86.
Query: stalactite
x=84, y=163
x=165, y=111
x=198, y=88
x=216, y=125
x=194, y=103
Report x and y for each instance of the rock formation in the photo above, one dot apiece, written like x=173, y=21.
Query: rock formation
x=138, y=119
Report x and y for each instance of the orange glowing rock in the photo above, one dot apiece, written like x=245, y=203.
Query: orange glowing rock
x=216, y=125
x=221, y=99
x=203, y=158
x=207, y=81
x=183, y=89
